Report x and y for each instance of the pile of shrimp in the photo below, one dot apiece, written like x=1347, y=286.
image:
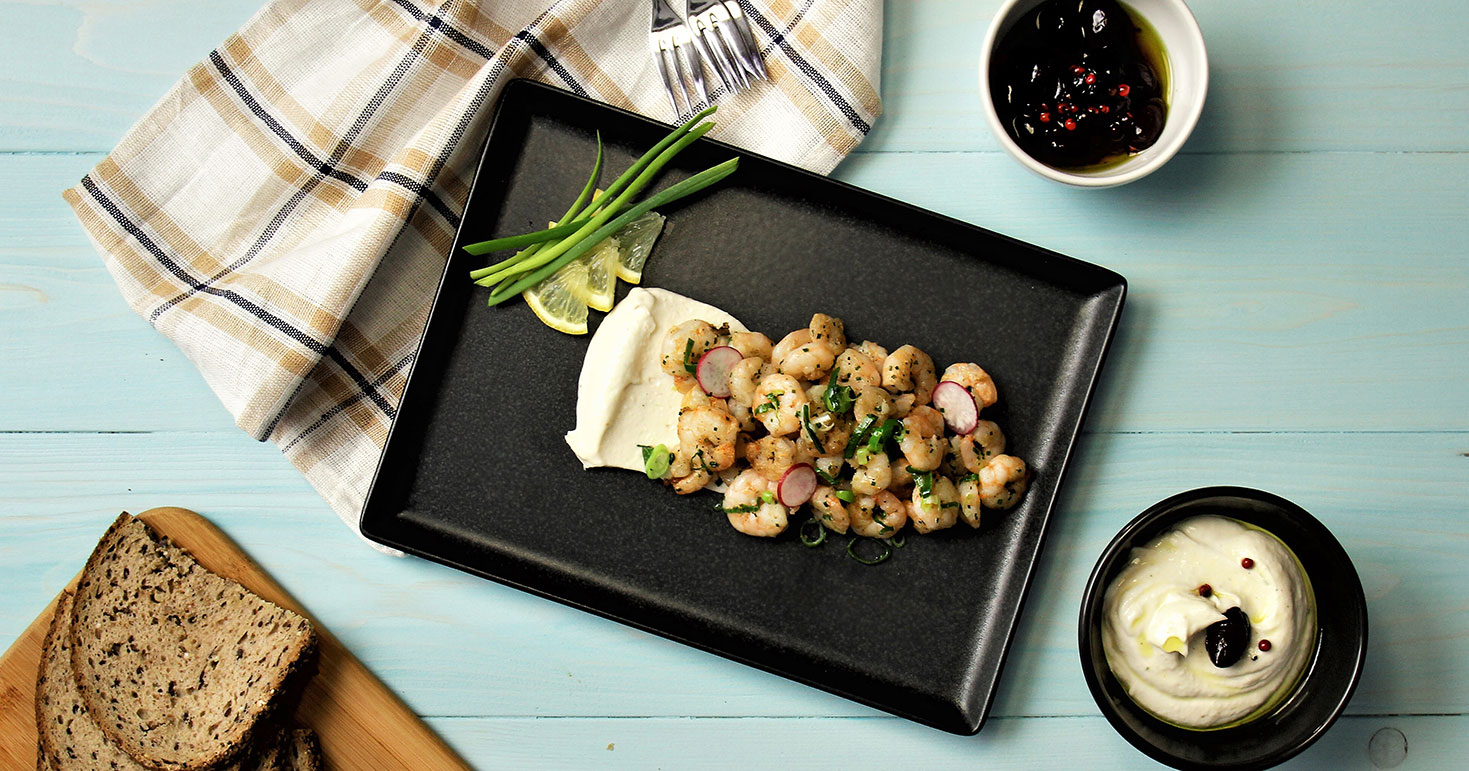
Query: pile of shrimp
x=776, y=417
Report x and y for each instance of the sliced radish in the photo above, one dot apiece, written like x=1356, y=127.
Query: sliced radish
x=796, y=486
x=714, y=368
x=961, y=414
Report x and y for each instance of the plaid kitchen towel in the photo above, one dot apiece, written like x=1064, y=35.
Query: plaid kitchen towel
x=284, y=213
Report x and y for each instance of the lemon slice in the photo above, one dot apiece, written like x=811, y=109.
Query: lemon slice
x=635, y=241
x=555, y=300
x=600, y=285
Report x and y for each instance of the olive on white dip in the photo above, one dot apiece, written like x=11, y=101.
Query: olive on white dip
x=1210, y=624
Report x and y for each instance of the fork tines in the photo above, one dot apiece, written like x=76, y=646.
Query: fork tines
x=720, y=36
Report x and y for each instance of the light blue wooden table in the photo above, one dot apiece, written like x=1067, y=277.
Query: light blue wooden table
x=1298, y=321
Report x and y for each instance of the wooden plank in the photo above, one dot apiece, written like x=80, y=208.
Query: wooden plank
x=452, y=644
x=360, y=723
x=1322, y=301
x=1433, y=743
x=78, y=76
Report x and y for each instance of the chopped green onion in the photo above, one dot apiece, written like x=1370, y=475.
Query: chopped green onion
x=887, y=550
x=949, y=505
x=812, y=540
x=880, y=437
x=859, y=436
x=688, y=358
x=687, y=187
x=825, y=477
x=969, y=478
x=898, y=540
x=846, y=495
x=811, y=432
x=745, y=509
x=861, y=457
x=923, y=480
x=837, y=398
x=772, y=402
x=767, y=496
x=656, y=460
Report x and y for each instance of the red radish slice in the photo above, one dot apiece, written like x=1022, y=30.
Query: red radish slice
x=714, y=368
x=960, y=412
x=796, y=486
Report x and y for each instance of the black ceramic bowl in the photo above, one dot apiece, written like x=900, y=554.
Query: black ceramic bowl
x=1331, y=673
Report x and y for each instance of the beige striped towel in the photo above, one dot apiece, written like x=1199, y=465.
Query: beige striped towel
x=284, y=213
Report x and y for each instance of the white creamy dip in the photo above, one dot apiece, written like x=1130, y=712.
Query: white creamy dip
x=624, y=398
x=1154, y=617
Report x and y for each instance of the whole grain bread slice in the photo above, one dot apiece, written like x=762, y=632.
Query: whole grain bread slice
x=68, y=738
x=178, y=666
x=304, y=753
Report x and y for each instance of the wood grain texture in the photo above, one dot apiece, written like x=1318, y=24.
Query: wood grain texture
x=360, y=723
x=453, y=644
x=1266, y=292
x=1291, y=77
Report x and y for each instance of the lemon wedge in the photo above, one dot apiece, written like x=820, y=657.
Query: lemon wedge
x=555, y=300
x=600, y=286
x=635, y=243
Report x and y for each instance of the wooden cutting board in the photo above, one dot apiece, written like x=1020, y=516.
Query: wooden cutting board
x=362, y=724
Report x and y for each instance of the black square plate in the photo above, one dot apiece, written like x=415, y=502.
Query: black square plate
x=476, y=474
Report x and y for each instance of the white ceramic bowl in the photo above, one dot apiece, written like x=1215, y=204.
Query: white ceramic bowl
x=1188, y=82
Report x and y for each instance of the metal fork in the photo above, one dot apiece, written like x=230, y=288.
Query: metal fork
x=724, y=38
x=673, y=52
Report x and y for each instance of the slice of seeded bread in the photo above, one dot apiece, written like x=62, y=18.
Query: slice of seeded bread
x=177, y=665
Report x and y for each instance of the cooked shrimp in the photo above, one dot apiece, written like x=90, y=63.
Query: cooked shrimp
x=872, y=477
x=973, y=377
x=872, y=350
x=854, y=369
x=903, y=404
x=829, y=510
x=751, y=344
x=969, y=501
x=829, y=330
x=909, y=369
x=830, y=465
x=695, y=480
x=1002, y=482
x=902, y=477
x=744, y=378
x=810, y=361
x=707, y=436
x=744, y=416
x=684, y=344
x=977, y=448
x=923, y=438
x=832, y=431
x=937, y=510
x=790, y=343
x=778, y=402
x=772, y=456
x=751, y=514
x=878, y=516
x=875, y=402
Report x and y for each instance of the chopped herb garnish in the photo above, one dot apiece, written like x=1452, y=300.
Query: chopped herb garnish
x=825, y=477
x=969, y=478
x=767, y=496
x=772, y=402
x=886, y=529
x=887, y=550
x=811, y=432
x=923, y=480
x=898, y=540
x=688, y=358
x=837, y=398
x=846, y=495
x=656, y=460
x=745, y=509
x=810, y=539
x=880, y=437
x=859, y=436
x=949, y=505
